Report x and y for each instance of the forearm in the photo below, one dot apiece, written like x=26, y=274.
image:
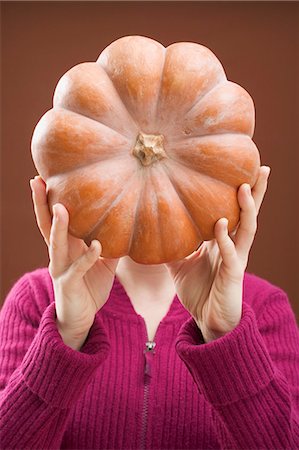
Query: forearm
x=267, y=420
x=237, y=376
x=27, y=421
x=74, y=342
x=41, y=391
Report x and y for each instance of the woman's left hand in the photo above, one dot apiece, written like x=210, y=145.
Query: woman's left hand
x=209, y=282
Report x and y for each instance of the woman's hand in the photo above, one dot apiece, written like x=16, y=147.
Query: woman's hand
x=209, y=282
x=82, y=280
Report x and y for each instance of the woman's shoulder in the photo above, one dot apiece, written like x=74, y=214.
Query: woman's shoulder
x=254, y=284
x=40, y=283
x=31, y=293
x=259, y=292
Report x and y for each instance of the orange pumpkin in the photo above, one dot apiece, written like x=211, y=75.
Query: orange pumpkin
x=146, y=148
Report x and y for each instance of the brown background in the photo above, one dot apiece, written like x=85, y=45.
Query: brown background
x=256, y=42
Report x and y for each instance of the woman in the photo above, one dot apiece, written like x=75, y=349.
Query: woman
x=122, y=362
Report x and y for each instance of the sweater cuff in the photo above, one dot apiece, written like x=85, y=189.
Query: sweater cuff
x=230, y=368
x=56, y=372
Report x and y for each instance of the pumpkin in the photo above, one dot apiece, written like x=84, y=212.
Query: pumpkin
x=146, y=148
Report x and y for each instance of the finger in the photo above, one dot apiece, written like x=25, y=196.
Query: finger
x=174, y=267
x=260, y=187
x=226, y=245
x=41, y=208
x=257, y=192
x=85, y=262
x=58, y=249
x=248, y=222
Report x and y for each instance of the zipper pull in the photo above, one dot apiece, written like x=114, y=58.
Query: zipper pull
x=148, y=354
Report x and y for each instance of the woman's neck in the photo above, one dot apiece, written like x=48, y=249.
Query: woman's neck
x=148, y=283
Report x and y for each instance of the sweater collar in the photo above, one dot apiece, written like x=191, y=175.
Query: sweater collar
x=119, y=305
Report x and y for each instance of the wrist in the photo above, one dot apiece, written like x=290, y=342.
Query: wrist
x=71, y=339
x=211, y=335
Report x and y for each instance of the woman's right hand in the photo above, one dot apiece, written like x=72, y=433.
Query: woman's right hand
x=82, y=280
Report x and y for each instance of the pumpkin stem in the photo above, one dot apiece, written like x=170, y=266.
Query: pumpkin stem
x=149, y=148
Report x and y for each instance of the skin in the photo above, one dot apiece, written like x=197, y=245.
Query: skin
x=208, y=283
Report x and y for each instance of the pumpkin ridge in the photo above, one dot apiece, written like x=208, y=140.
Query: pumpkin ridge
x=121, y=100
x=160, y=87
x=237, y=172
x=166, y=169
x=175, y=85
x=180, y=163
x=117, y=199
x=198, y=136
x=134, y=228
x=172, y=180
x=159, y=219
x=83, y=166
x=87, y=81
x=91, y=118
x=204, y=175
x=201, y=96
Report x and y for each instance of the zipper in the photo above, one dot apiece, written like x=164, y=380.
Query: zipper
x=149, y=353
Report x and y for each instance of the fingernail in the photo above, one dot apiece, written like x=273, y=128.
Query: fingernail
x=247, y=188
x=32, y=179
x=226, y=223
x=55, y=212
x=269, y=170
x=31, y=185
x=94, y=245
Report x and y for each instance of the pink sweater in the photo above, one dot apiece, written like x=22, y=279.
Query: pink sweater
x=238, y=392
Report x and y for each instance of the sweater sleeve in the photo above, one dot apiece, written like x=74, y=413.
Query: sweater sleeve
x=250, y=376
x=40, y=377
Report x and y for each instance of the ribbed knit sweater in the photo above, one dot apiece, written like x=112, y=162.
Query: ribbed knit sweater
x=240, y=391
